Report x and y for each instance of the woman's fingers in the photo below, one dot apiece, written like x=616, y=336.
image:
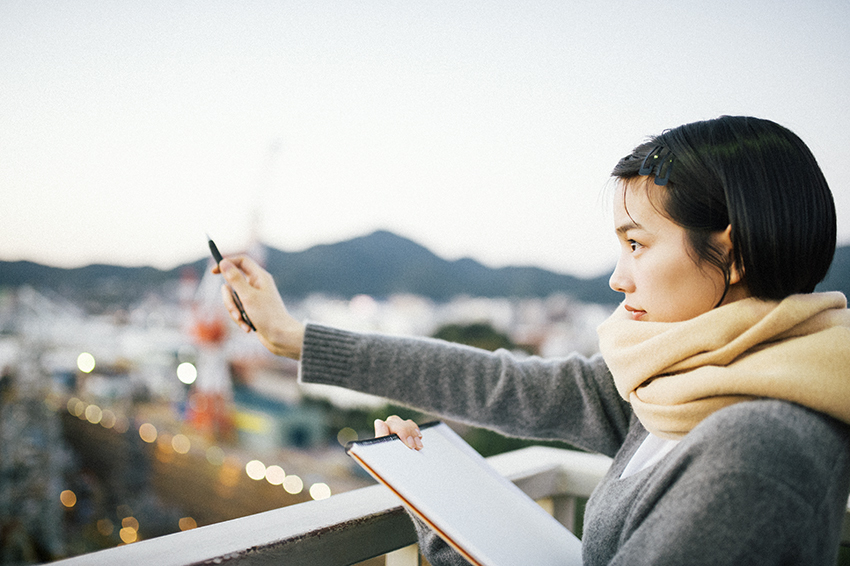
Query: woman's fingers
x=406, y=430
x=276, y=329
x=381, y=428
x=238, y=281
x=253, y=273
x=232, y=309
x=235, y=273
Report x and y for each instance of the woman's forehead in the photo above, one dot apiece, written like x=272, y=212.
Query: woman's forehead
x=639, y=192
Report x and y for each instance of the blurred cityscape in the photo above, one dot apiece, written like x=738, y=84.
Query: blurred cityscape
x=124, y=425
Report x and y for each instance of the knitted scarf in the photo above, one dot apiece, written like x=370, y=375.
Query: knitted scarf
x=675, y=374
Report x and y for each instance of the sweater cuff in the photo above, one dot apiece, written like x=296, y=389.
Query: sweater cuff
x=327, y=355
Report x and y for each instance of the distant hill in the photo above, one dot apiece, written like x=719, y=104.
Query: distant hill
x=383, y=263
x=379, y=264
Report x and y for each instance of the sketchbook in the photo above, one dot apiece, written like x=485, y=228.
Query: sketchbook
x=481, y=514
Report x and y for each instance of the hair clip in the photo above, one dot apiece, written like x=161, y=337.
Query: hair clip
x=646, y=167
x=662, y=180
x=654, y=161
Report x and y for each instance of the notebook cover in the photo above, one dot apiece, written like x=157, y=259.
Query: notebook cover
x=451, y=487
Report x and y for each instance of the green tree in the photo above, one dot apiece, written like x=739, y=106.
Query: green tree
x=478, y=334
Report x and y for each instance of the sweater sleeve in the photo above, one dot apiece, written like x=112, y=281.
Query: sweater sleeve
x=571, y=399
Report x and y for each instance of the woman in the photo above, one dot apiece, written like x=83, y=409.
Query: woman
x=722, y=385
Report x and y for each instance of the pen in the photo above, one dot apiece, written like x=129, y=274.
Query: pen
x=217, y=257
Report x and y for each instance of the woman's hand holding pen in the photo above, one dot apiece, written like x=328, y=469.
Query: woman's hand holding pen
x=277, y=330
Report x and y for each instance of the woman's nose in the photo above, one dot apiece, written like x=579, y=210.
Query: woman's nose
x=619, y=281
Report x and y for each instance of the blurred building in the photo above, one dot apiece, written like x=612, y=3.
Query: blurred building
x=130, y=424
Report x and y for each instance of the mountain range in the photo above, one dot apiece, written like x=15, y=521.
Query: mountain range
x=378, y=264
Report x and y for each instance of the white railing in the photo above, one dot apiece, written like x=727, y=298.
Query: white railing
x=357, y=525
x=352, y=526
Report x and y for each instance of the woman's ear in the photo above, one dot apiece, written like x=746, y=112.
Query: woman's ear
x=724, y=242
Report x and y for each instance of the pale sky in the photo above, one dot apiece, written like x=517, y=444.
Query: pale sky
x=480, y=129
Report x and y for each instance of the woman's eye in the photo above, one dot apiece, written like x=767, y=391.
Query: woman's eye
x=635, y=246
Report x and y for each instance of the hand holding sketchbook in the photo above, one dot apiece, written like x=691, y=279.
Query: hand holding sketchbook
x=484, y=516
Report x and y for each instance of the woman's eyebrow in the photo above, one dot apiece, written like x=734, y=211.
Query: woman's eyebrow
x=626, y=226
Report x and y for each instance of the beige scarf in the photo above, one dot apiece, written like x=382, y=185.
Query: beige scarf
x=675, y=374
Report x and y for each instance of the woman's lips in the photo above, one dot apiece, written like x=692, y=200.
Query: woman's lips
x=636, y=314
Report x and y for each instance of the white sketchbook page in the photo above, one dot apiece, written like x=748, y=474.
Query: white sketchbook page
x=480, y=513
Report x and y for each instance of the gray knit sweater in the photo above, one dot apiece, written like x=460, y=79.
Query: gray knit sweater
x=761, y=482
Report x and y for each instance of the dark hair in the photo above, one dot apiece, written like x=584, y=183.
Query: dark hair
x=758, y=177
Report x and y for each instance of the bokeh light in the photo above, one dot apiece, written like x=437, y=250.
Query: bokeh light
x=181, y=443
x=346, y=435
x=275, y=475
x=94, y=414
x=68, y=498
x=85, y=362
x=164, y=451
x=128, y=535
x=108, y=420
x=147, y=432
x=229, y=474
x=187, y=373
x=121, y=425
x=76, y=407
x=320, y=490
x=255, y=469
x=293, y=484
x=215, y=455
x=105, y=527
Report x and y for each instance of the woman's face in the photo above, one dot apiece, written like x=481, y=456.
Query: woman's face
x=656, y=271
